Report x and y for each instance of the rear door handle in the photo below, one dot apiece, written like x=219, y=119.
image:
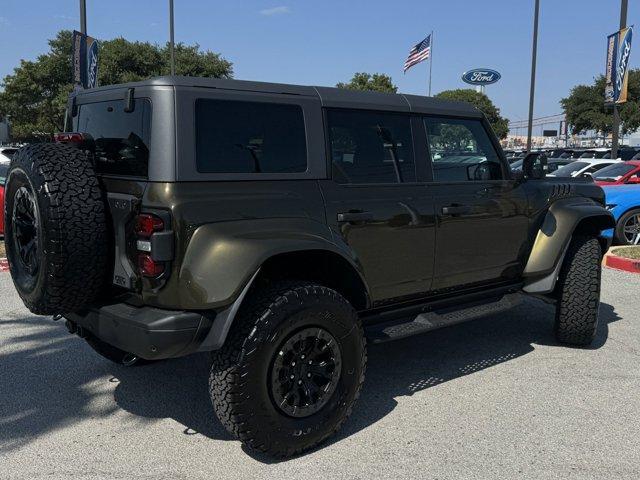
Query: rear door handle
x=456, y=210
x=355, y=216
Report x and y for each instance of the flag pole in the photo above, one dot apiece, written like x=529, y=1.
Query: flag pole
x=430, y=62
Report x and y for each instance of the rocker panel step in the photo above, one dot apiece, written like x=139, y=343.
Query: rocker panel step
x=427, y=321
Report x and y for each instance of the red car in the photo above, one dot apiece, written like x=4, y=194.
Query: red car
x=621, y=173
x=3, y=176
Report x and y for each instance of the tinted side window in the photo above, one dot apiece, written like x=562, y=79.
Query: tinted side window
x=371, y=147
x=249, y=137
x=121, y=138
x=461, y=150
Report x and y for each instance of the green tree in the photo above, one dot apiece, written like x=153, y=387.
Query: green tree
x=483, y=103
x=35, y=94
x=585, y=108
x=378, y=82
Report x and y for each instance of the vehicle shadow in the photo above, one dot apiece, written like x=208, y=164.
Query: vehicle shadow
x=56, y=379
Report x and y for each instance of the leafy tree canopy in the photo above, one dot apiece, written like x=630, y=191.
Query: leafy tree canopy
x=35, y=95
x=585, y=108
x=483, y=103
x=378, y=82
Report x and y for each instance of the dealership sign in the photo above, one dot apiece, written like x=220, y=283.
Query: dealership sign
x=85, y=61
x=480, y=76
x=617, y=68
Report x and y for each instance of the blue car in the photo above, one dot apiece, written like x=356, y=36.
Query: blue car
x=624, y=202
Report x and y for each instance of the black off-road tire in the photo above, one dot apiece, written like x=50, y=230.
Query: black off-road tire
x=239, y=382
x=578, y=292
x=619, y=235
x=70, y=250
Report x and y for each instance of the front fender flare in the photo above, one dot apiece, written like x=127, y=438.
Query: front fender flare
x=559, y=225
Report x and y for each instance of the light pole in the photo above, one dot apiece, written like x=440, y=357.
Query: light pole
x=171, y=39
x=83, y=16
x=532, y=90
x=615, y=128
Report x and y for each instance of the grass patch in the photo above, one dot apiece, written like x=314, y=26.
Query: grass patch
x=628, y=252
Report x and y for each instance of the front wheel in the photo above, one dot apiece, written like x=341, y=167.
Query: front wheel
x=290, y=370
x=579, y=292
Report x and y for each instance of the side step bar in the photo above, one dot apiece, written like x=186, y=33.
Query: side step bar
x=438, y=318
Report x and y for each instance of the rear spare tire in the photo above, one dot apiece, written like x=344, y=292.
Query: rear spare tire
x=55, y=228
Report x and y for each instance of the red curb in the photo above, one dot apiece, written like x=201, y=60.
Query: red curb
x=621, y=263
x=4, y=265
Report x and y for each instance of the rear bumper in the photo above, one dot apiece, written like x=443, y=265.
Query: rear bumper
x=147, y=332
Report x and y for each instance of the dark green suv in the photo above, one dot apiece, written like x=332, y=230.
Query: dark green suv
x=280, y=226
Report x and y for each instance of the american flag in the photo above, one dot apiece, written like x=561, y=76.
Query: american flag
x=418, y=53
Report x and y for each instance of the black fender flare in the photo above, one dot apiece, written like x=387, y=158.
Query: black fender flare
x=562, y=220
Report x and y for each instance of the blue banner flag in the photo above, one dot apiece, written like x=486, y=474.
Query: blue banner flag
x=617, y=68
x=85, y=61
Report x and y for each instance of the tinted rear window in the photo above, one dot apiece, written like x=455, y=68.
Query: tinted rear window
x=249, y=137
x=371, y=147
x=121, y=138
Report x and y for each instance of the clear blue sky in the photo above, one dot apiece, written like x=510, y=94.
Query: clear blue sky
x=324, y=42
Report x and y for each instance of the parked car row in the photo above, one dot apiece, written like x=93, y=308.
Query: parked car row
x=619, y=178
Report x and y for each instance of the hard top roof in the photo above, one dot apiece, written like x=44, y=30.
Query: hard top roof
x=330, y=97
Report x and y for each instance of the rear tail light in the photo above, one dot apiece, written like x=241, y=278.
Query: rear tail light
x=68, y=137
x=148, y=267
x=154, y=244
x=147, y=224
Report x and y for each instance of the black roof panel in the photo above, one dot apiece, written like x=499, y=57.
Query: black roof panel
x=330, y=97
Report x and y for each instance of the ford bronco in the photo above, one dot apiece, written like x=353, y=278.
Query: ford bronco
x=281, y=228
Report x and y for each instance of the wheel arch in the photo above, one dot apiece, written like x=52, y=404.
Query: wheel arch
x=564, y=219
x=324, y=266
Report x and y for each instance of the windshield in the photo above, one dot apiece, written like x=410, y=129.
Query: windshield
x=3, y=173
x=569, y=170
x=588, y=155
x=614, y=172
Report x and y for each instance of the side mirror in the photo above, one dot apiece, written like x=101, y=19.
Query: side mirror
x=534, y=166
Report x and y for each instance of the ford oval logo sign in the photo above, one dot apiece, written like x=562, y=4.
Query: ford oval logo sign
x=481, y=76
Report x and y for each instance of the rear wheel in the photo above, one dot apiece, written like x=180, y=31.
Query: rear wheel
x=579, y=292
x=56, y=228
x=628, y=228
x=291, y=368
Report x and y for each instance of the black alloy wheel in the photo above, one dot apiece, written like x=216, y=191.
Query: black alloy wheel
x=305, y=372
x=26, y=230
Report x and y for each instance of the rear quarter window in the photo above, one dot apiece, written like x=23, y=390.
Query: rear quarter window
x=249, y=137
x=121, y=138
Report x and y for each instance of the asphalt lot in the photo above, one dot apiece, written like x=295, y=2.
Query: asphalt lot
x=495, y=398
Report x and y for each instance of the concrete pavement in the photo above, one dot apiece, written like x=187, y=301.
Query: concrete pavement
x=495, y=398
